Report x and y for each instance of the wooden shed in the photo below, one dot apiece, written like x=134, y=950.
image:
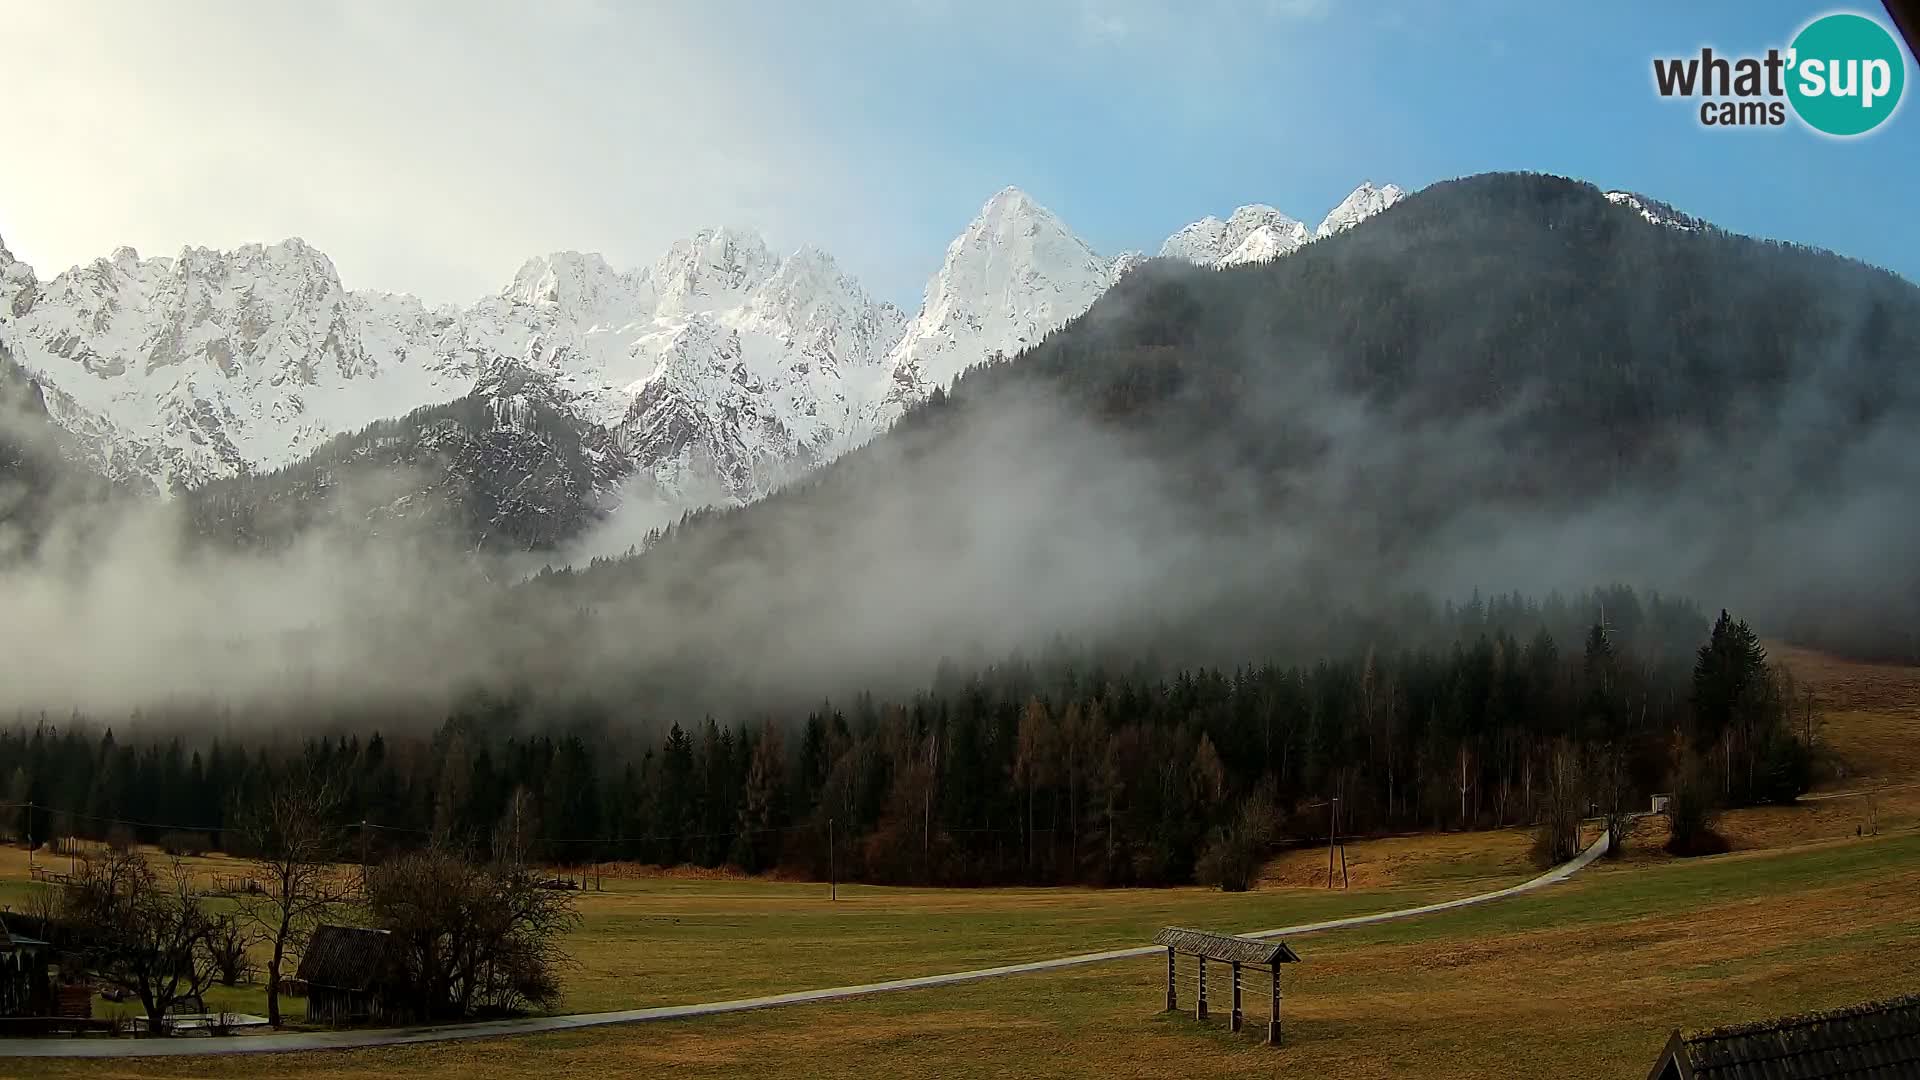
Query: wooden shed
x=346, y=973
x=25, y=989
x=1873, y=1039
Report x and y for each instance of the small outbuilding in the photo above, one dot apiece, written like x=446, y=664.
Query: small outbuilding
x=25, y=989
x=1873, y=1039
x=1234, y=953
x=346, y=974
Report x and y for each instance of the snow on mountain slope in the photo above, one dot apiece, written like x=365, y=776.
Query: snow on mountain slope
x=718, y=371
x=217, y=364
x=1258, y=233
x=1016, y=274
x=1655, y=211
x=1261, y=230
x=1264, y=244
x=1365, y=201
x=742, y=399
x=207, y=364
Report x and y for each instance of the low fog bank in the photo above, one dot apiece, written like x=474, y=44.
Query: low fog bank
x=1003, y=523
x=996, y=525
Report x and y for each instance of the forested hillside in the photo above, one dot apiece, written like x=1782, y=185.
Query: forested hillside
x=42, y=485
x=502, y=468
x=1507, y=380
x=1059, y=766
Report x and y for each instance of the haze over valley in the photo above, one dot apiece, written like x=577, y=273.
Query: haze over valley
x=1508, y=382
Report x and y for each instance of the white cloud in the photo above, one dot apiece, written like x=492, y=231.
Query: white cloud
x=427, y=148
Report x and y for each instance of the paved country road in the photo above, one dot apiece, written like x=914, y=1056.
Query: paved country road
x=341, y=1040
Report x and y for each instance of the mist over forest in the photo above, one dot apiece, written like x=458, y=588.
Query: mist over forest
x=1504, y=383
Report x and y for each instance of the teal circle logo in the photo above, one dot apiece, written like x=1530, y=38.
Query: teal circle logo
x=1845, y=74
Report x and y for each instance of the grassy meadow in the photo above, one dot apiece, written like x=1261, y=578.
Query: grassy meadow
x=1584, y=978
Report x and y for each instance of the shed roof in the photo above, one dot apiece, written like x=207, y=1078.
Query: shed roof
x=10, y=940
x=343, y=957
x=1225, y=948
x=1870, y=1040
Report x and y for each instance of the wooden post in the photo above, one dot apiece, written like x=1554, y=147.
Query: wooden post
x=833, y=877
x=1273, y=1010
x=1332, y=808
x=1200, y=1004
x=1173, y=1001
x=1233, y=1021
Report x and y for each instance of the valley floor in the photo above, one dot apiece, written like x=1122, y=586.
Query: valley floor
x=1585, y=978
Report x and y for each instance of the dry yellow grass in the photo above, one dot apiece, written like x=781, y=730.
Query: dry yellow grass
x=1407, y=860
x=1869, y=714
x=682, y=938
x=1583, y=980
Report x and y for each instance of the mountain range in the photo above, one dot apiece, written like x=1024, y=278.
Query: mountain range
x=713, y=375
x=1509, y=381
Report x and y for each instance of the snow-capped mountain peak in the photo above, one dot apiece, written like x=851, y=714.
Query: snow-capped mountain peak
x=18, y=287
x=1015, y=274
x=710, y=270
x=1213, y=242
x=1365, y=201
x=579, y=284
x=712, y=373
x=1259, y=233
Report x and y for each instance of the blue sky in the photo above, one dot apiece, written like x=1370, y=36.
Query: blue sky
x=430, y=148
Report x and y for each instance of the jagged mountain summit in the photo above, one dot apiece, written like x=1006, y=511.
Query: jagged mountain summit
x=717, y=372
x=1014, y=275
x=1364, y=202
x=1259, y=233
x=218, y=364
x=1252, y=233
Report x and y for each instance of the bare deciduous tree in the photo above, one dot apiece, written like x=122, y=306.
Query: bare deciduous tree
x=147, y=933
x=296, y=844
x=515, y=837
x=468, y=936
x=1559, y=836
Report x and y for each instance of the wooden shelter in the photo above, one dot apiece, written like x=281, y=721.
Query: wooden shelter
x=1874, y=1039
x=25, y=989
x=345, y=973
x=1235, y=952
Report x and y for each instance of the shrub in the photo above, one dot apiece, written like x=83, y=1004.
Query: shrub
x=1786, y=771
x=1232, y=858
x=1692, y=813
x=230, y=944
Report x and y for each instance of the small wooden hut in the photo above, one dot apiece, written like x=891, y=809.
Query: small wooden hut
x=345, y=974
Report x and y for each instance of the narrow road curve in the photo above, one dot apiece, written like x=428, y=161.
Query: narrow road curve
x=342, y=1040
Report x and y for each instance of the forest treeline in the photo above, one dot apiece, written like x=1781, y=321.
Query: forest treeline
x=1041, y=769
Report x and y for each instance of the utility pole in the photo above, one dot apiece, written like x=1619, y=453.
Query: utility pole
x=1333, y=809
x=833, y=880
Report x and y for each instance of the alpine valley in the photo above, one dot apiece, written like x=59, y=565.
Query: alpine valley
x=253, y=380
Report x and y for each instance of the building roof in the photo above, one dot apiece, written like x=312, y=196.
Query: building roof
x=1869, y=1041
x=1221, y=947
x=11, y=940
x=343, y=957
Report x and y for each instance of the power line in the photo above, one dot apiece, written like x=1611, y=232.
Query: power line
x=410, y=830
